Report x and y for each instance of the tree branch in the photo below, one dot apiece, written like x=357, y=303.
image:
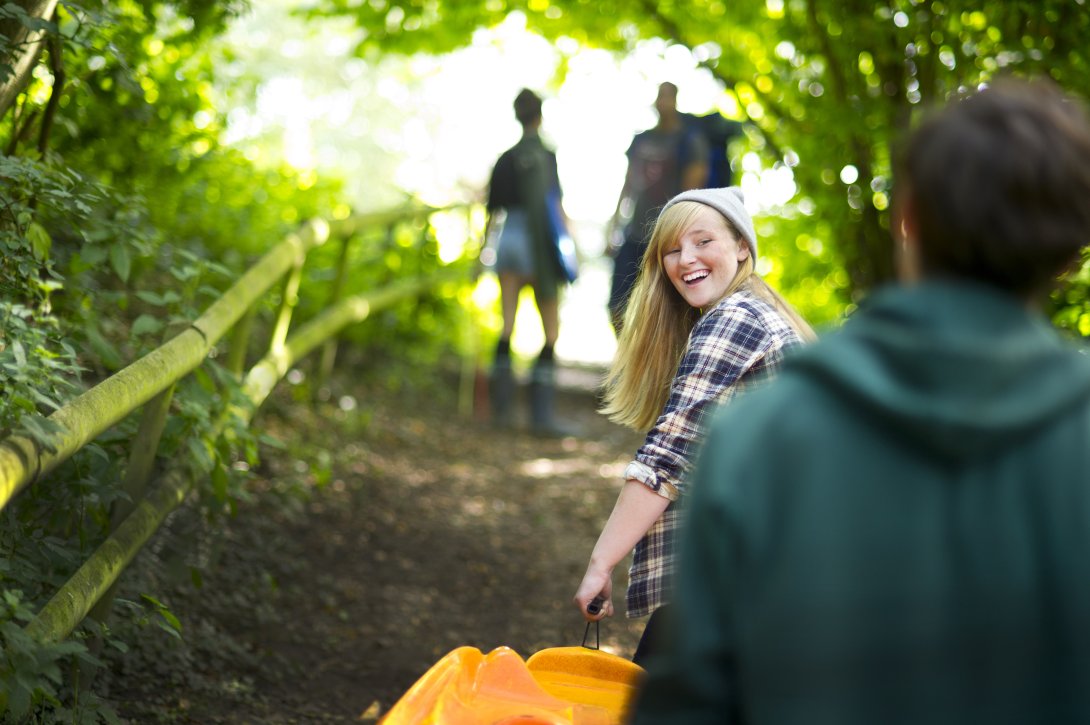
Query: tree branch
x=19, y=133
x=56, y=64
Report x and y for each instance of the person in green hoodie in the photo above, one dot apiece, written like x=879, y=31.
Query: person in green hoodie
x=897, y=530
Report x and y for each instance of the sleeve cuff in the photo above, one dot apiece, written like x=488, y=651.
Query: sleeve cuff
x=648, y=477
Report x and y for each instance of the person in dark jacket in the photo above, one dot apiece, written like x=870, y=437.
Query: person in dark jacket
x=897, y=530
x=663, y=161
x=523, y=182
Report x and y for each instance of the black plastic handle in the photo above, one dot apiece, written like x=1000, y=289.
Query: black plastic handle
x=595, y=605
x=597, y=635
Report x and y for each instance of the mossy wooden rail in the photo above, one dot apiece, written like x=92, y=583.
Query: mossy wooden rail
x=149, y=383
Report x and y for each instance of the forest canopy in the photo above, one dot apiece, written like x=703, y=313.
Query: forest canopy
x=827, y=89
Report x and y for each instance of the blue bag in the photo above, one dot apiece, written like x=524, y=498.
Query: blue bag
x=562, y=240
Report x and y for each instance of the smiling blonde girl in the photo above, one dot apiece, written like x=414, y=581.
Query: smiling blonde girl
x=701, y=327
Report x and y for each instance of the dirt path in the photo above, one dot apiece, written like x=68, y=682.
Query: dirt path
x=429, y=532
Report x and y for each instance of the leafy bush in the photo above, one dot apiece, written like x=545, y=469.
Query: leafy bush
x=122, y=217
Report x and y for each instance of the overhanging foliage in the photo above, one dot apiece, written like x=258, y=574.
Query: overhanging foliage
x=829, y=89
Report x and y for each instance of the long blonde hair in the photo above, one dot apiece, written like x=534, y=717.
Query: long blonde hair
x=658, y=321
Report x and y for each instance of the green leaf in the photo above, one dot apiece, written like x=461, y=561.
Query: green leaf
x=121, y=261
x=83, y=655
x=165, y=626
x=272, y=442
x=170, y=623
x=201, y=452
x=19, y=351
x=44, y=399
x=220, y=482
x=92, y=255
x=183, y=274
x=98, y=451
x=103, y=348
x=146, y=324
x=41, y=430
x=170, y=619
x=19, y=702
x=40, y=241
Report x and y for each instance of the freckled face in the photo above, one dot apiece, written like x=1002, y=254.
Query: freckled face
x=702, y=263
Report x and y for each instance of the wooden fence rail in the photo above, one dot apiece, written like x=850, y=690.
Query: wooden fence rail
x=149, y=384
x=23, y=460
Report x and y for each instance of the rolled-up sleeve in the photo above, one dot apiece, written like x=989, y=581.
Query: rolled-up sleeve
x=727, y=343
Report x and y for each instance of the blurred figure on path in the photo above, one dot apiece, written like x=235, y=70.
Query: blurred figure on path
x=524, y=192
x=897, y=530
x=663, y=161
x=701, y=328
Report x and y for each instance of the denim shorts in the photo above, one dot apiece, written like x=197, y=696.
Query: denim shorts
x=514, y=253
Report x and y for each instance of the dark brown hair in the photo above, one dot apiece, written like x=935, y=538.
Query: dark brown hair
x=1000, y=185
x=527, y=106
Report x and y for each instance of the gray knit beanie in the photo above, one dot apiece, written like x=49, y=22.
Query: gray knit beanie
x=729, y=202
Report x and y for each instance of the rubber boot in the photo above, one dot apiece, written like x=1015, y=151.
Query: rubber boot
x=542, y=402
x=501, y=390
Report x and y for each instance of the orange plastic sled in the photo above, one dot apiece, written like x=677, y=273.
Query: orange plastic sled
x=556, y=686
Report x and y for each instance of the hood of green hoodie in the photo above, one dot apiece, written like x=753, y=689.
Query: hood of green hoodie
x=958, y=368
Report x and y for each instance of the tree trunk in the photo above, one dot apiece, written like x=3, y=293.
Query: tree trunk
x=24, y=47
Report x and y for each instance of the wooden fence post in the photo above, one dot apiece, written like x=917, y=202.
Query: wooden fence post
x=240, y=341
x=289, y=298
x=145, y=445
x=329, y=349
x=469, y=381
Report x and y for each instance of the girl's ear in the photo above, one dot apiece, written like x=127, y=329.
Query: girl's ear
x=743, y=250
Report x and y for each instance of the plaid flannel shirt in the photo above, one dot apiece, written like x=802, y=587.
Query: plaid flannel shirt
x=734, y=346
